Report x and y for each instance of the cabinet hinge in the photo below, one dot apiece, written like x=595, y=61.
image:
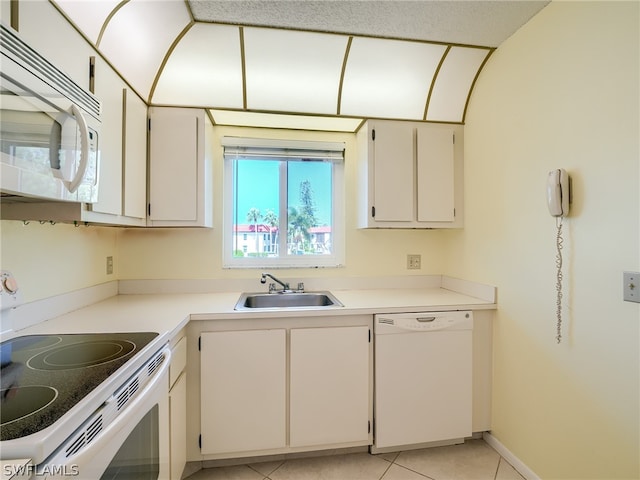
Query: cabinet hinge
x=200, y=441
x=373, y=134
x=369, y=426
x=373, y=212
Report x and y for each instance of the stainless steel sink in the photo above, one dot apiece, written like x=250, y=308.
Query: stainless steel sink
x=253, y=301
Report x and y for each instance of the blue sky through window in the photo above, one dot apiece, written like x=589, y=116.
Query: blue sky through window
x=258, y=187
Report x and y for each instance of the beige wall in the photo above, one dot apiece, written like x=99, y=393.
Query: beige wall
x=560, y=93
x=48, y=259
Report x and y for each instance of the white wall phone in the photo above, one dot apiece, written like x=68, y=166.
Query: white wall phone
x=558, y=199
x=558, y=191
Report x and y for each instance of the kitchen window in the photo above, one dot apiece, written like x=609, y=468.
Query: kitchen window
x=283, y=203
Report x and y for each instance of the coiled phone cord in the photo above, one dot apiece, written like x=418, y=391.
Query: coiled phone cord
x=559, y=241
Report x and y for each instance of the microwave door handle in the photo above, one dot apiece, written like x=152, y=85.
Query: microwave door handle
x=84, y=152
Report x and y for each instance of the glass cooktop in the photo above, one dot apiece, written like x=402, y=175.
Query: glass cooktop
x=43, y=376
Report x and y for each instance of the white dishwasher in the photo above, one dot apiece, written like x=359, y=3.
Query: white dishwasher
x=423, y=379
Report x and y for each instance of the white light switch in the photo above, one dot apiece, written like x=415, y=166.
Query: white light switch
x=631, y=288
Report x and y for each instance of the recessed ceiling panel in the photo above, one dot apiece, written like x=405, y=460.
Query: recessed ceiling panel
x=389, y=78
x=452, y=85
x=289, y=122
x=138, y=37
x=293, y=71
x=89, y=16
x=204, y=69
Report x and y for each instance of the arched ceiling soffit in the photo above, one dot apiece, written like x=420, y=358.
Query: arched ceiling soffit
x=301, y=57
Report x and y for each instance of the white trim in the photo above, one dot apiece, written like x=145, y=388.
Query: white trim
x=333, y=283
x=505, y=453
x=282, y=144
x=473, y=289
x=31, y=313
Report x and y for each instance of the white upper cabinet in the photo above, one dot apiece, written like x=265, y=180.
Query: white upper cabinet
x=410, y=175
x=108, y=89
x=135, y=156
x=180, y=162
x=123, y=152
x=435, y=174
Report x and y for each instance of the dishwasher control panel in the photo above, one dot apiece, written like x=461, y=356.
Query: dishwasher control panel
x=423, y=322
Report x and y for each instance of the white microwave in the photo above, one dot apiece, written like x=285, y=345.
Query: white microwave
x=49, y=129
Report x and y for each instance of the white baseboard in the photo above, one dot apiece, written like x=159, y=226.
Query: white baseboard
x=505, y=453
x=473, y=289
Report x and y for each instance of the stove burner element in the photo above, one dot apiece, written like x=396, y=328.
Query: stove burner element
x=20, y=402
x=80, y=355
x=52, y=374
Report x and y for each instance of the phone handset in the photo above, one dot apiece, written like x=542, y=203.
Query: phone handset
x=558, y=191
x=558, y=199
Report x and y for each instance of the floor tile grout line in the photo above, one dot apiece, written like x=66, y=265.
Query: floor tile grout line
x=495, y=475
x=414, y=471
x=385, y=470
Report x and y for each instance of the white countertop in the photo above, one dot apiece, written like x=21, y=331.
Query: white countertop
x=168, y=313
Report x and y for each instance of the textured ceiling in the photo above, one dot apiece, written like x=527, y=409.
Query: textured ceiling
x=486, y=23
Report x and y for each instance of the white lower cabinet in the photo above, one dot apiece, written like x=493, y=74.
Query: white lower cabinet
x=243, y=390
x=285, y=389
x=329, y=385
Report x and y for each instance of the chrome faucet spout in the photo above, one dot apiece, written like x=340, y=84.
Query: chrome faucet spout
x=263, y=279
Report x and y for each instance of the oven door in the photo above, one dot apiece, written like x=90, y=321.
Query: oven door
x=135, y=445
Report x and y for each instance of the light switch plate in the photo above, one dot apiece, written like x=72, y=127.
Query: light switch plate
x=631, y=286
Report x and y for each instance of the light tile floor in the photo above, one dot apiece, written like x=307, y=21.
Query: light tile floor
x=473, y=460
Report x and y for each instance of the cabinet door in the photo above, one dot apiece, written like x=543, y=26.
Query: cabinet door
x=173, y=168
x=178, y=426
x=135, y=156
x=108, y=88
x=435, y=167
x=393, y=170
x=329, y=402
x=243, y=391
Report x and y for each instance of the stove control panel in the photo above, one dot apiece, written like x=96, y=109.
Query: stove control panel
x=10, y=295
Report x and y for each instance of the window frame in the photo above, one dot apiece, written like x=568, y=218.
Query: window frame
x=284, y=150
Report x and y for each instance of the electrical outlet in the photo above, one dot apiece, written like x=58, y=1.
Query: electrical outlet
x=414, y=262
x=109, y=265
x=631, y=286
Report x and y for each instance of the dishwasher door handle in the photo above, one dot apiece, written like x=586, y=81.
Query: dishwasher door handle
x=425, y=319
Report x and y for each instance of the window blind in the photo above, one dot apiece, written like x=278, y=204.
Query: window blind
x=259, y=148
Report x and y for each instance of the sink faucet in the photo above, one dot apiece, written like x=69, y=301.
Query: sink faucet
x=272, y=287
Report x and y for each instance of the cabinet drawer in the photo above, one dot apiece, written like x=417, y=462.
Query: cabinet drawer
x=178, y=361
